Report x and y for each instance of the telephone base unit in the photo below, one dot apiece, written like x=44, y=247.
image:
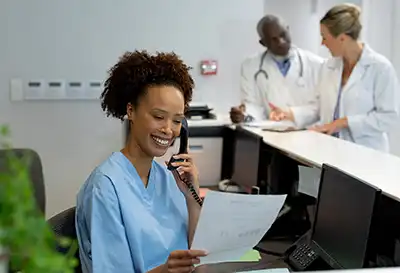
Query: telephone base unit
x=304, y=256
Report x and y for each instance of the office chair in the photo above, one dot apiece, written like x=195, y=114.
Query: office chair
x=63, y=225
x=35, y=172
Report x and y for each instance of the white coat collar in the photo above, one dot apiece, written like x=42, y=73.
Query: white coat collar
x=291, y=55
x=293, y=52
x=367, y=58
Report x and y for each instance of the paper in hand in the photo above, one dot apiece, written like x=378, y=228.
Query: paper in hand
x=230, y=224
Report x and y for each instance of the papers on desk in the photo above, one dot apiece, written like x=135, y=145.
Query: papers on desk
x=361, y=270
x=272, y=270
x=278, y=126
x=230, y=224
x=309, y=180
x=251, y=256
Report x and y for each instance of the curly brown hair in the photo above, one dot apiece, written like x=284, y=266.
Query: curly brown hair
x=136, y=71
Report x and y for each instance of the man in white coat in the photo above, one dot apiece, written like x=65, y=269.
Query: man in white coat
x=283, y=75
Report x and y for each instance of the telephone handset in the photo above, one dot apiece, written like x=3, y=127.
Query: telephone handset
x=184, y=139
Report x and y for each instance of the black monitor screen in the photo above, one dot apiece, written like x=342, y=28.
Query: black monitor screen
x=344, y=215
x=247, y=153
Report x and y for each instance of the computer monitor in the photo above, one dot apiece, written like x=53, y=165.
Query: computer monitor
x=247, y=156
x=343, y=224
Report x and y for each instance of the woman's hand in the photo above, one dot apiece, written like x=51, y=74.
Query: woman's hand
x=277, y=114
x=183, y=261
x=186, y=171
x=331, y=128
x=328, y=128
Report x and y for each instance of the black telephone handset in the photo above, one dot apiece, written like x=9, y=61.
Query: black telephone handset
x=184, y=139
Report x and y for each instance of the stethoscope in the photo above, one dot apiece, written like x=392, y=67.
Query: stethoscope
x=300, y=80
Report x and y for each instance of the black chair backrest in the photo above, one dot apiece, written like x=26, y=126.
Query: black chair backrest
x=63, y=225
x=35, y=172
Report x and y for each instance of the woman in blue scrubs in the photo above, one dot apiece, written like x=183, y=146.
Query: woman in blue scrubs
x=132, y=214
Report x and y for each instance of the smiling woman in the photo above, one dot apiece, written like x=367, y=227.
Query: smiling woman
x=154, y=93
x=134, y=215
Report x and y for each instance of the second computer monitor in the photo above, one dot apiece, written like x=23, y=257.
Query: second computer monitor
x=344, y=218
x=247, y=156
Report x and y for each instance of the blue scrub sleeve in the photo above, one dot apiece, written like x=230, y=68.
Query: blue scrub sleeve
x=110, y=249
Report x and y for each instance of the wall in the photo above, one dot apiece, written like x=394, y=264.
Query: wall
x=80, y=40
x=393, y=39
x=302, y=21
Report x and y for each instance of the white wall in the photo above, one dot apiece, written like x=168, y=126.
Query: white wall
x=302, y=21
x=378, y=23
x=80, y=40
x=393, y=39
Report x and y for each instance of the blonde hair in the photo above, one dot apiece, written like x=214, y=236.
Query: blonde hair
x=343, y=18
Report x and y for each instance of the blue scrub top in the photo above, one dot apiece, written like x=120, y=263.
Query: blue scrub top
x=122, y=226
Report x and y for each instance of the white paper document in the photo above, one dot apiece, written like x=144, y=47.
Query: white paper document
x=273, y=125
x=231, y=224
x=271, y=270
x=309, y=180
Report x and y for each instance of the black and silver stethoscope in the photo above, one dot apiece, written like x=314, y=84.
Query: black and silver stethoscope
x=300, y=80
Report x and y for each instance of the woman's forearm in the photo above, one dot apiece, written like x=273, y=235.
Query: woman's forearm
x=194, y=213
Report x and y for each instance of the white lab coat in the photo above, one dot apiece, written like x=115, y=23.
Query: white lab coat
x=369, y=100
x=279, y=90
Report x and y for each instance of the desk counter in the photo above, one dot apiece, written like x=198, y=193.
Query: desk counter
x=221, y=120
x=374, y=167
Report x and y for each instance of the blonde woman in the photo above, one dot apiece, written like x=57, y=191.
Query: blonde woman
x=357, y=96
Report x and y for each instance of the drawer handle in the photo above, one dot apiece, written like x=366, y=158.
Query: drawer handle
x=195, y=148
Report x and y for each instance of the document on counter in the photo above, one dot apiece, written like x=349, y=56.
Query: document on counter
x=272, y=270
x=231, y=224
x=309, y=180
x=279, y=126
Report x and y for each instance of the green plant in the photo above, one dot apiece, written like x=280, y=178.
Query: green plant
x=24, y=232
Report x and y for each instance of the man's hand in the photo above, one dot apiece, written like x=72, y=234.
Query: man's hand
x=237, y=113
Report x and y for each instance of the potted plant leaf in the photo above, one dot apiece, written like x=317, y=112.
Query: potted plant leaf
x=27, y=243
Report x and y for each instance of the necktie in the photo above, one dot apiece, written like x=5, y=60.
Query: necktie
x=336, y=113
